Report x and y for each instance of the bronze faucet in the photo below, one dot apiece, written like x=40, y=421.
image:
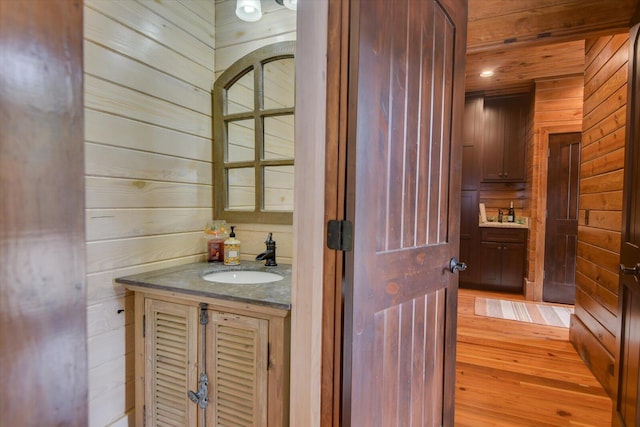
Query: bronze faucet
x=270, y=254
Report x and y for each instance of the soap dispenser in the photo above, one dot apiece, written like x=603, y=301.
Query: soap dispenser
x=232, y=249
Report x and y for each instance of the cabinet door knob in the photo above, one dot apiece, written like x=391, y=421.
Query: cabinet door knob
x=455, y=265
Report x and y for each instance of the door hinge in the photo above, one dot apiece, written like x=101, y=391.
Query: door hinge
x=340, y=235
x=144, y=325
x=144, y=415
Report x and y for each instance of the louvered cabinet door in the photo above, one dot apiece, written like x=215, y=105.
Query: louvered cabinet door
x=171, y=342
x=237, y=350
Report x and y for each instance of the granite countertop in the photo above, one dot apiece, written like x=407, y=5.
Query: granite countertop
x=188, y=279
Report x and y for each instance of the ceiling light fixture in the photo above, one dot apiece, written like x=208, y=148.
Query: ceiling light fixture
x=289, y=4
x=249, y=10
x=486, y=73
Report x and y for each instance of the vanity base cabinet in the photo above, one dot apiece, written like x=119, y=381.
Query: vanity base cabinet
x=242, y=349
x=503, y=256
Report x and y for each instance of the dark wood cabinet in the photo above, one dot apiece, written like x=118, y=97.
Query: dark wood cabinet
x=504, y=138
x=469, y=236
x=472, y=142
x=471, y=145
x=493, y=158
x=502, y=258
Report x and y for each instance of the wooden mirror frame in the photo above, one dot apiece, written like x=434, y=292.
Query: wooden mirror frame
x=252, y=61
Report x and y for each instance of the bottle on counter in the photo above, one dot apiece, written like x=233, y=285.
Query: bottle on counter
x=232, y=249
x=511, y=215
x=216, y=233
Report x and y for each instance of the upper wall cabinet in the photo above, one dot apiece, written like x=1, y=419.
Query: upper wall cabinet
x=473, y=127
x=253, y=119
x=504, y=145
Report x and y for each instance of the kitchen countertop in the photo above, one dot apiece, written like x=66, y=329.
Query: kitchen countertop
x=504, y=225
x=188, y=279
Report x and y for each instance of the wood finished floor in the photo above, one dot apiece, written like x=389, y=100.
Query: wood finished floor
x=518, y=374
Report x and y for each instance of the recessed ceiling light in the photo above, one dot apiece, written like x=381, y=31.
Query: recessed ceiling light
x=486, y=73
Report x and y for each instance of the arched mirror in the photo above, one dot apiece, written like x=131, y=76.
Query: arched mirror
x=253, y=122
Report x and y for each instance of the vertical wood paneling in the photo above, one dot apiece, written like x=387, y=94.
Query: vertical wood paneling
x=398, y=140
x=448, y=69
x=439, y=54
x=601, y=182
x=149, y=70
x=425, y=129
x=417, y=134
x=418, y=348
x=408, y=348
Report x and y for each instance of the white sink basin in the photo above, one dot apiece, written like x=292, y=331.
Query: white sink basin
x=242, y=277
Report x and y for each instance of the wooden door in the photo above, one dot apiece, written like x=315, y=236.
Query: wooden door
x=561, y=235
x=628, y=358
x=43, y=313
x=406, y=99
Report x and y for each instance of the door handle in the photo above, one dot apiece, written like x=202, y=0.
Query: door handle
x=455, y=265
x=630, y=270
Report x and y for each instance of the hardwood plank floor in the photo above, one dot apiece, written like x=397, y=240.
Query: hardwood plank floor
x=518, y=374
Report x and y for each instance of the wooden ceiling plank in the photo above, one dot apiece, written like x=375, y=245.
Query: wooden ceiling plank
x=550, y=39
x=482, y=9
x=566, y=20
x=521, y=66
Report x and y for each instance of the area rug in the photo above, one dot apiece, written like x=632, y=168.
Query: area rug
x=543, y=314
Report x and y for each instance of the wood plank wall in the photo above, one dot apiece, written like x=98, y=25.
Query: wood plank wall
x=557, y=108
x=235, y=39
x=149, y=70
x=593, y=327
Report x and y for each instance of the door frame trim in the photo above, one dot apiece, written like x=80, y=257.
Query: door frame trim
x=320, y=134
x=533, y=290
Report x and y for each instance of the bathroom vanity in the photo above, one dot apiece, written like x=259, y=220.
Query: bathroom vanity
x=208, y=352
